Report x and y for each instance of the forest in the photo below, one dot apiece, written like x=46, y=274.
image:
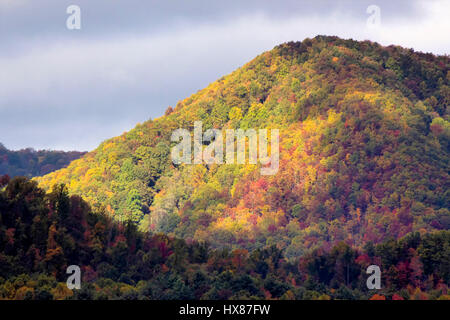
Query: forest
x=42, y=233
x=363, y=179
x=364, y=153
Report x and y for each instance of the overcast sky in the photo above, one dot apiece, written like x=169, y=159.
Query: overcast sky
x=71, y=89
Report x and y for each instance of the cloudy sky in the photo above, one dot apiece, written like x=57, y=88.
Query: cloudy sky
x=71, y=89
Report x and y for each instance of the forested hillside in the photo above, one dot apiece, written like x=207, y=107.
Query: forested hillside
x=364, y=153
x=31, y=163
x=41, y=234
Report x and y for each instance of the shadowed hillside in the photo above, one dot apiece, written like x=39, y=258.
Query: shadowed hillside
x=42, y=234
x=31, y=163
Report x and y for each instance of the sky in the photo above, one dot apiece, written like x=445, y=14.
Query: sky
x=66, y=89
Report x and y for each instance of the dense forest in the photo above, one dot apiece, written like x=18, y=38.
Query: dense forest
x=42, y=233
x=364, y=154
x=31, y=163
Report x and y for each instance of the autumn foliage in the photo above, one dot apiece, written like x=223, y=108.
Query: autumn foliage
x=41, y=234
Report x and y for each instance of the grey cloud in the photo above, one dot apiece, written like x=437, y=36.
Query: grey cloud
x=36, y=19
x=131, y=59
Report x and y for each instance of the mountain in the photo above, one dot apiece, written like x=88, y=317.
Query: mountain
x=30, y=163
x=364, y=153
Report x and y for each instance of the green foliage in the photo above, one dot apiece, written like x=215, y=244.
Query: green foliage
x=364, y=149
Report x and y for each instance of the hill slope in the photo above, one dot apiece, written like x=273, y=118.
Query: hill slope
x=31, y=163
x=364, y=149
x=42, y=234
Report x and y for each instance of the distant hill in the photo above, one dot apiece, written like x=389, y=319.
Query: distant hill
x=30, y=163
x=364, y=153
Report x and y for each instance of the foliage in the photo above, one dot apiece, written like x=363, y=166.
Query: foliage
x=31, y=163
x=364, y=151
x=41, y=234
